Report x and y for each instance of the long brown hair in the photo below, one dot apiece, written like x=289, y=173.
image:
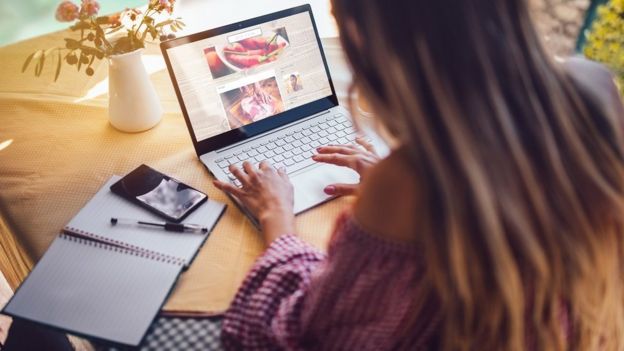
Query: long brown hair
x=520, y=172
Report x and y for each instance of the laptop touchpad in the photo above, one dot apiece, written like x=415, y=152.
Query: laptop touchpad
x=310, y=183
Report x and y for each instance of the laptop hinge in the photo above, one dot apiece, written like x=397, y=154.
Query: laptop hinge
x=272, y=131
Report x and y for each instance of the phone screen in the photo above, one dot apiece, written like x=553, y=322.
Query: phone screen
x=163, y=194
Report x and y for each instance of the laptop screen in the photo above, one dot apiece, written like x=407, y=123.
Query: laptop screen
x=249, y=74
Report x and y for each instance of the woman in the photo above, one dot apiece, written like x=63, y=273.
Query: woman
x=493, y=225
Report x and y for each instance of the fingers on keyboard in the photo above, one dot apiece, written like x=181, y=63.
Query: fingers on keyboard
x=294, y=149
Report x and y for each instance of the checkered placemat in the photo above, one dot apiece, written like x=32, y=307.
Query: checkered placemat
x=176, y=333
x=181, y=333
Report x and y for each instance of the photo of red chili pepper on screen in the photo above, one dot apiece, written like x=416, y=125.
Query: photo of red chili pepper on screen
x=251, y=52
x=216, y=65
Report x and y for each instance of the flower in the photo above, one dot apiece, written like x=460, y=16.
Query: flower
x=129, y=17
x=166, y=5
x=605, y=40
x=93, y=42
x=67, y=11
x=89, y=7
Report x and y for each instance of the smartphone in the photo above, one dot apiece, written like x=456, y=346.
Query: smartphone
x=165, y=196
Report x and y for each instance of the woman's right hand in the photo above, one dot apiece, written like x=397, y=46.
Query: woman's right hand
x=268, y=194
x=360, y=158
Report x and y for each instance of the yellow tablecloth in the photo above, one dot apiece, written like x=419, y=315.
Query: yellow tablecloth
x=63, y=149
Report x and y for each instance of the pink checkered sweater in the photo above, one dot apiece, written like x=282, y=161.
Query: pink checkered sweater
x=360, y=296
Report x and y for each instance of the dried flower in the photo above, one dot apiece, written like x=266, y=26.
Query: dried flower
x=129, y=16
x=67, y=11
x=96, y=39
x=89, y=7
x=165, y=5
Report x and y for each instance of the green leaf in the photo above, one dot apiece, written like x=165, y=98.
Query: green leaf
x=153, y=32
x=71, y=44
x=122, y=45
x=80, y=25
x=42, y=59
x=179, y=24
x=40, y=63
x=173, y=28
x=148, y=20
x=113, y=30
x=164, y=23
x=38, y=54
x=88, y=50
x=58, y=66
x=27, y=62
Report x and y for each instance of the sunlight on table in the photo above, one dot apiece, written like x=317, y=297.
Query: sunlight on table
x=5, y=144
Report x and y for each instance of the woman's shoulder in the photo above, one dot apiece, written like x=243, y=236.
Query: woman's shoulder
x=596, y=81
x=387, y=206
x=581, y=67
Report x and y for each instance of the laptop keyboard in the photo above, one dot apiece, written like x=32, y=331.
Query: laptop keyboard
x=293, y=149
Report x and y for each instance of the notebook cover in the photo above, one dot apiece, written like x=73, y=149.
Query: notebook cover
x=95, y=290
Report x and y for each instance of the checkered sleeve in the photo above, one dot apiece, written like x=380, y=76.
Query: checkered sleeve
x=266, y=311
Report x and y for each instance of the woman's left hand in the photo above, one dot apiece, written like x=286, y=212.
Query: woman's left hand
x=361, y=158
x=268, y=194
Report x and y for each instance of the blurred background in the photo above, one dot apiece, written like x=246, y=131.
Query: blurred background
x=23, y=19
x=559, y=21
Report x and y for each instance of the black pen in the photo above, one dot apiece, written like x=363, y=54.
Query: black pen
x=168, y=226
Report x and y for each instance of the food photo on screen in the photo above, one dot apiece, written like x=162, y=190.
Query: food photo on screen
x=252, y=102
x=246, y=53
x=218, y=69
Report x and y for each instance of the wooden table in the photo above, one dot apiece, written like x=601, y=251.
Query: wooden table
x=62, y=149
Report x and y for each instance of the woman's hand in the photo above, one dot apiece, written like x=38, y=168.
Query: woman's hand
x=360, y=159
x=268, y=194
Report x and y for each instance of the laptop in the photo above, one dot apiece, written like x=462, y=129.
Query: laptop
x=259, y=90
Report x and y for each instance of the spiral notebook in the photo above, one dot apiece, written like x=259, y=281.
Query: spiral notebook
x=108, y=282
x=93, y=221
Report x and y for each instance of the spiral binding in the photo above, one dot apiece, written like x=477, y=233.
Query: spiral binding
x=87, y=238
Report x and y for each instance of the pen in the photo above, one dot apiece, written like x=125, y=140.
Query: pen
x=168, y=226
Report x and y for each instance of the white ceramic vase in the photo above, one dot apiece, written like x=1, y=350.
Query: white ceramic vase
x=133, y=105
